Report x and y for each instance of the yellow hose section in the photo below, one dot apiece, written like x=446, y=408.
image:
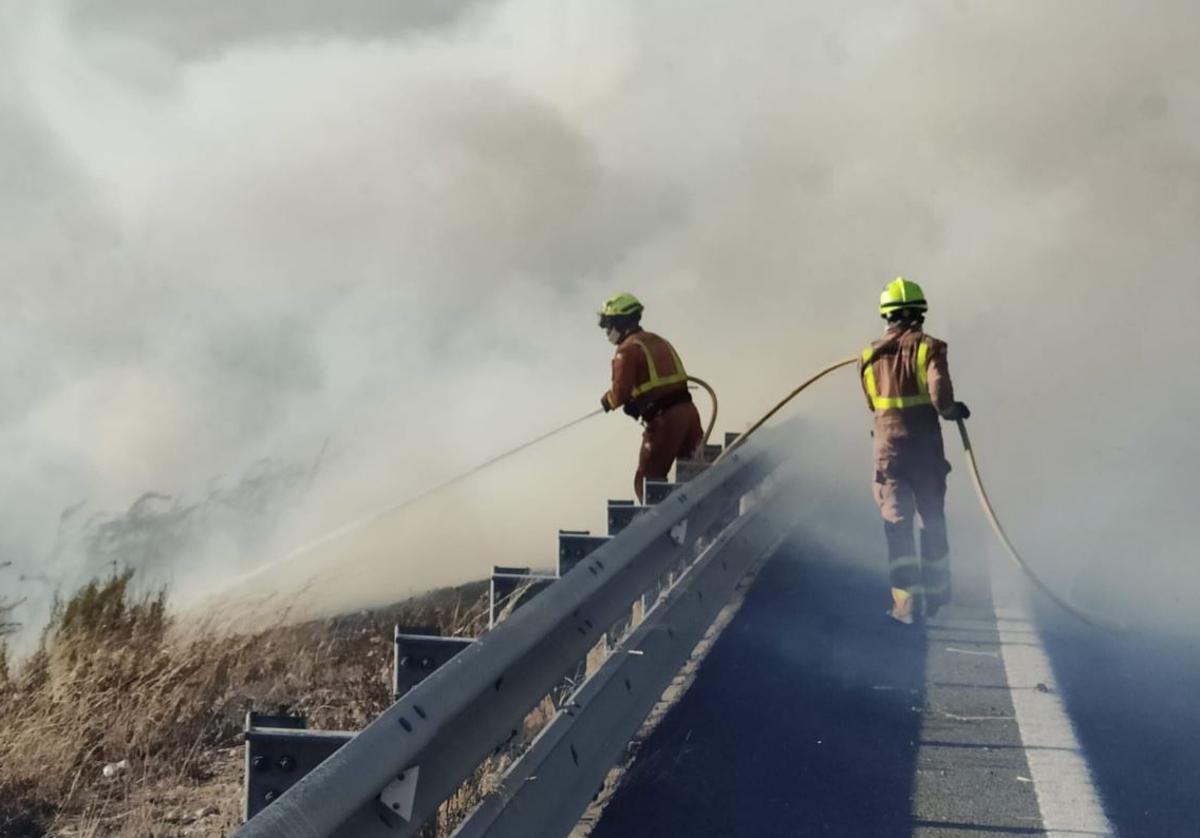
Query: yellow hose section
x=1094, y=620
x=745, y=434
x=973, y=467
x=712, y=394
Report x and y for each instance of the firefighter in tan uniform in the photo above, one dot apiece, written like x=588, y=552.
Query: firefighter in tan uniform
x=650, y=383
x=907, y=383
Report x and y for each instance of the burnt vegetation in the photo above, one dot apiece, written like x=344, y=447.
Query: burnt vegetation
x=124, y=722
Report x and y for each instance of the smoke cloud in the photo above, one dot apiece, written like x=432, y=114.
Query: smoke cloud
x=234, y=232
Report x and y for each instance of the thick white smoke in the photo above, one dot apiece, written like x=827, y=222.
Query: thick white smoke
x=235, y=231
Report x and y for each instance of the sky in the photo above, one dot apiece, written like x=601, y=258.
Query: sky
x=285, y=264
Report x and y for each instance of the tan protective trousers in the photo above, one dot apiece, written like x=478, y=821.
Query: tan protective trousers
x=672, y=434
x=910, y=489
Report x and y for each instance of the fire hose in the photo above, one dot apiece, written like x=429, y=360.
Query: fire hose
x=712, y=394
x=1086, y=617
x=411, y=500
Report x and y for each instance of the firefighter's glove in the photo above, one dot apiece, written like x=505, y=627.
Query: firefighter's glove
x=604, y=403
x=957, y=411
x=632, y=409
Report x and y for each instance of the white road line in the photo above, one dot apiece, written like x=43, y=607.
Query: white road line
x=1066, y=794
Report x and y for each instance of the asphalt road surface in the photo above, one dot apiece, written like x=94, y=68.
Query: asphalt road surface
x=815, y=715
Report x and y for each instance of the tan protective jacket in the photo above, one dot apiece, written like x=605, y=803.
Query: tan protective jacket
x=645, y=369
x=906, y=379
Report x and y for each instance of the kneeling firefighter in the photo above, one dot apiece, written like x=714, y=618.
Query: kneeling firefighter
x=650, y=384
x=907, y=383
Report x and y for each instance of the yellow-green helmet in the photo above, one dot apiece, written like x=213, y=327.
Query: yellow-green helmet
x=621, y=305
x=899, y=294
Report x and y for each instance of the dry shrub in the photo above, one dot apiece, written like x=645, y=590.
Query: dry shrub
x=114, y=681
x=7, y=626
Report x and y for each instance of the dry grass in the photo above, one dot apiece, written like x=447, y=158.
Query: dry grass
x=113, y=681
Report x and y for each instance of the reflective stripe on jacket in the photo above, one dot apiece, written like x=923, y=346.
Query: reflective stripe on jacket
x=645, y=369
x=920, y=397
x=906, y=370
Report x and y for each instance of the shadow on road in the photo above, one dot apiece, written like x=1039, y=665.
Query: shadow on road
x=801, y=721
x=1134, y=701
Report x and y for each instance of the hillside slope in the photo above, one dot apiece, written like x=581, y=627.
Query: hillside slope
x=122, y=723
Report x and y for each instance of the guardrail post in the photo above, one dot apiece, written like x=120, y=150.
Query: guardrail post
x=656, y=491
x=418, y=652
x=686, y=470
x=621, y=513
x=576, y=545
x=513, y=587
x=279, y=751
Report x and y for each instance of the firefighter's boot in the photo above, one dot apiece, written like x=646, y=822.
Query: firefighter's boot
x=904, y=607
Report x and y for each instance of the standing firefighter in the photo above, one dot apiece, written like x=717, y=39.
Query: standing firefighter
x=907, y=382
x=650, y=383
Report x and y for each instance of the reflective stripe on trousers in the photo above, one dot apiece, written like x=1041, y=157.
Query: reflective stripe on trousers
x=915, y=497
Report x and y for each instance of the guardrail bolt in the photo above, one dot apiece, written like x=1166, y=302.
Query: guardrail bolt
x=260, y=763
x=287, y=764
x=270, y=796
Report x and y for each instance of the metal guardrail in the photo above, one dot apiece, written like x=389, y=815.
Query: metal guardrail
x=547, y=789
x=393, y=775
